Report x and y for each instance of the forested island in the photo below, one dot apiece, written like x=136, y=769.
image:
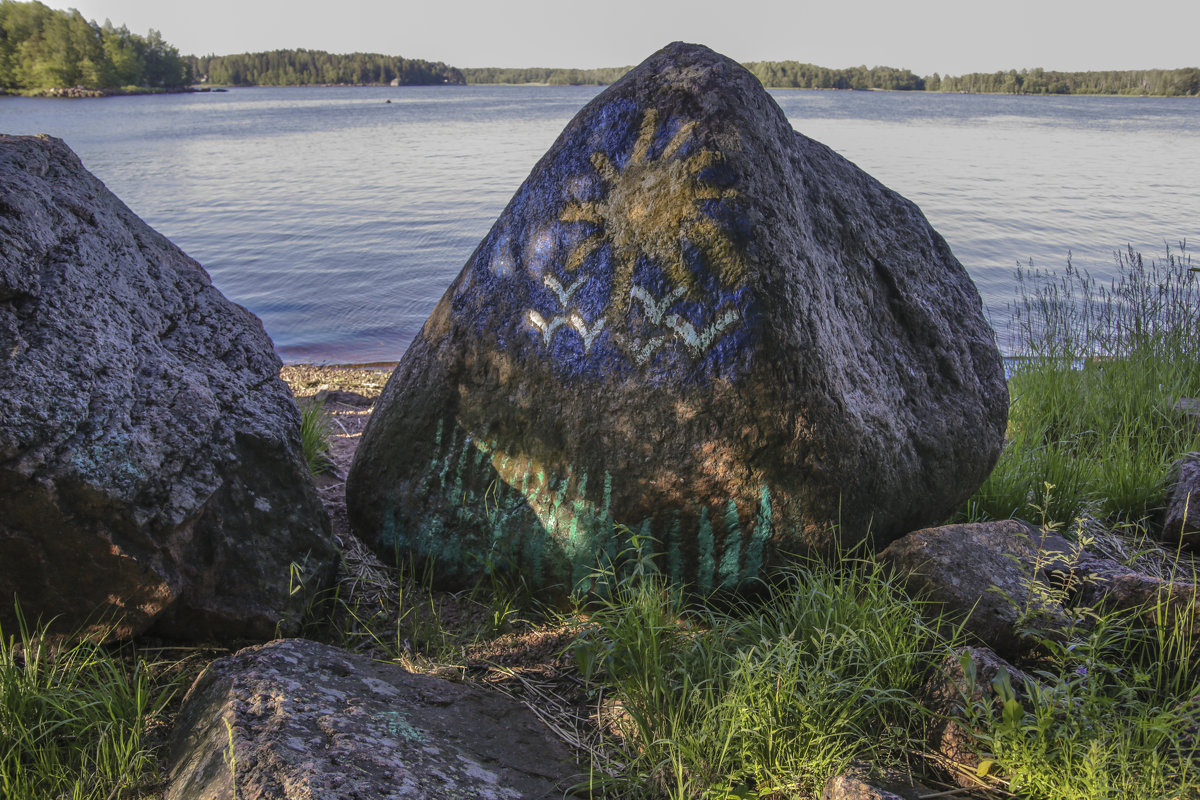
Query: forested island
x=1153, y=82
x=43, y=50
x=1159, y=82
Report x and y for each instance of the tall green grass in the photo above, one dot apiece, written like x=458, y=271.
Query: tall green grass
x=770, y=698
x=762, y=698
x=74, y=720
x=1098, y=371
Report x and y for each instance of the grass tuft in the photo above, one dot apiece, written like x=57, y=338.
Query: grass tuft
x=1113, y=712
x=314, y=436
x=74, y=719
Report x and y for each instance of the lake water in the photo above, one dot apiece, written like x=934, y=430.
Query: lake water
x=340, y=219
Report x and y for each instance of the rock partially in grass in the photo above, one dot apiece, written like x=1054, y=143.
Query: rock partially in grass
x=973, y=681
x=693, y=325
x=1014, y=584
x=853, y=787
x=298, y=720
x=150, y=467
x=999, y=576
x=1181, y=521
x=1189, y=409
x=1163, y=602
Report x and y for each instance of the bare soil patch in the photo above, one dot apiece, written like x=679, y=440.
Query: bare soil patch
x=346, y=422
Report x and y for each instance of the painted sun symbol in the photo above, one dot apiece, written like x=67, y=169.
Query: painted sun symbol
x=654, y=207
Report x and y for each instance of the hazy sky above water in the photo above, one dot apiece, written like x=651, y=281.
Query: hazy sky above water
x=926, y=36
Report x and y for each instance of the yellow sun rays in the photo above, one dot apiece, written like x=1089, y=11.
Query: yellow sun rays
x=652, y=207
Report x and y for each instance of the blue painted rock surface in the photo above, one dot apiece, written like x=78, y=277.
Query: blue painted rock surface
x=691, y=325
x=150, y=467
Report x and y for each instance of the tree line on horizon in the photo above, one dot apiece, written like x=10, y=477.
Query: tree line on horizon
x=316, y=67
x=772, y=74
x=552, y=76
x=41, y=48
x=1158, y=82
x=797, y=75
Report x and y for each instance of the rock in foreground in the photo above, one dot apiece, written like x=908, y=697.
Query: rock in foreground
x=150, y=467
x=298, y=720
x=854, y=787
x=972, y=681
x=693, y=324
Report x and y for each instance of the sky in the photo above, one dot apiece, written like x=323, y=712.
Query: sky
x=926, y=36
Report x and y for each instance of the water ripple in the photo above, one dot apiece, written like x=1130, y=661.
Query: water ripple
x=341, y=219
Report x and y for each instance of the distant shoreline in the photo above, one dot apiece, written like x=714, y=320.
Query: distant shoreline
x=78, y=92
x=367, y=365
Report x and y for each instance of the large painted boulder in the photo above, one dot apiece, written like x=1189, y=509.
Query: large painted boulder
x=150, y=466
x=691, y=325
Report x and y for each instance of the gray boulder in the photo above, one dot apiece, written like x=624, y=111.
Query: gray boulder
x=998, y=576
x=1181, y=521
x=1007, y=579
x=1170, y=602
x=150, y=466
x=693, y=324
x=975, y=683
x=298, y=720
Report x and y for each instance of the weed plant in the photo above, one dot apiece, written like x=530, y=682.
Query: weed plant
x=1098, y=372
x=762, y=698
x=1112, y=712
x=73, y=720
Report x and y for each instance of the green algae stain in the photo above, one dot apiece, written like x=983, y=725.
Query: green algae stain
x=448, y=457
x=392, y=534
x=109, y=459
x=673, y=548
x=535, y=556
